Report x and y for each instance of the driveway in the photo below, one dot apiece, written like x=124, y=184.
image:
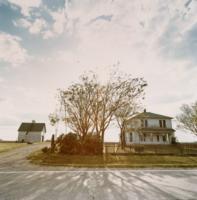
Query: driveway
x=21, y=180
x=16, y=159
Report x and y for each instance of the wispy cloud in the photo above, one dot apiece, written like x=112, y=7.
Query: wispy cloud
x=11, y=50
x=26, y=5
x=154, y=39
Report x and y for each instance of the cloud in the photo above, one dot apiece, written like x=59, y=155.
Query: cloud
x=26, y=5
x=102, y=17
x=178, y=37
x=37, y=26
x=151, y=39
x=188, y=3
x=2, y=99
x=11, y=50
x=46, y=29
x=60, y=20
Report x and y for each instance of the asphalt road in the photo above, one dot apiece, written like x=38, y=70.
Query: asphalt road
x=115, y=184
x=19, y=180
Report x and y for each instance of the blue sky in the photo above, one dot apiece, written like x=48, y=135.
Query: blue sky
x=46, y=44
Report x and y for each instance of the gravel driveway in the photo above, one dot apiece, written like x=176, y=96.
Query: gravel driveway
x=16, y=159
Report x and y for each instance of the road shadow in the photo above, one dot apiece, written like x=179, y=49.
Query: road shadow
x=86, y=185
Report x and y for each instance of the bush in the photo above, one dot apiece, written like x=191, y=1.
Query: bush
x=71, y=144
x=92, y=145
x=46, y=150
x=68, y=144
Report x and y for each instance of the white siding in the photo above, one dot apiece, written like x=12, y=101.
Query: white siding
x=152, y=123
x=21, y=136
x=168, y=123
x=148, y=140
x=30, y=137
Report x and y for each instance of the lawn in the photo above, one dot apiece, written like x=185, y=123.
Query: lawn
x=7, y=146
x=119, y=161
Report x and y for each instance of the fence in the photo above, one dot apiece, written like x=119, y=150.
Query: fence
x=161, y=149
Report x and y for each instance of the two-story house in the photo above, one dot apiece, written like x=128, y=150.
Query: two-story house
x=149, y=128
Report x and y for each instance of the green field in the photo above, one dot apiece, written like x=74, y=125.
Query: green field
x=119, y=161
x=7, y=146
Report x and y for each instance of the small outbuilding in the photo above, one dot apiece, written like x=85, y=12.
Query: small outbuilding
x=31, y=132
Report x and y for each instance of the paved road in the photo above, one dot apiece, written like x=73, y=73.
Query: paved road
x=19, y=180
x=93, y=185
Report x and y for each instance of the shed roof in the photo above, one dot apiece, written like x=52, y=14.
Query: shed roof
x=34, y=127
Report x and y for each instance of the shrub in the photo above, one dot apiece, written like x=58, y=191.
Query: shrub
x=68, y=144
x=92, y=145
x=71, y=144
x=46, y=150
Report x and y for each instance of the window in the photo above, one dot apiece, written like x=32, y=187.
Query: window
x=160, y=123
x=131, y=137
x=164, y=123
x=164, y=138
x=146, y=123
x=157, y=138
x=142, y=123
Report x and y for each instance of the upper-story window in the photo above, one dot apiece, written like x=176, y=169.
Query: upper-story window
x=144, y=123
x=162, y=123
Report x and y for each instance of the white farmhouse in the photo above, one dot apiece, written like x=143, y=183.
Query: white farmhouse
x=31, y=132
x=149, y=128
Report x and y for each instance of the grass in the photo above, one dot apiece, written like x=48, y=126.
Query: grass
x=113, y=161
x=7, y=146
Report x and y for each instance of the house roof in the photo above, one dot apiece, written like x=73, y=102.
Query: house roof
x=35, y=127
x=150, y=115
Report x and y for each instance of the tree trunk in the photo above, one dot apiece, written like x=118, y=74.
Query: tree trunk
x=53, y=143
x=102, y=140
x=122, y=138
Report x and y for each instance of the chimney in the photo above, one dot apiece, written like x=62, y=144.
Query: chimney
x=144, y=110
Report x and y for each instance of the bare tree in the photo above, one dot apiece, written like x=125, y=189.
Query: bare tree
x=91, y=106
x=118, y=98
x=188, y=118
x=103, y=108
x=132, y=92
x=77, y=100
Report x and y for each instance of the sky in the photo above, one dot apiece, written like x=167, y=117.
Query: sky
x=46, y=45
